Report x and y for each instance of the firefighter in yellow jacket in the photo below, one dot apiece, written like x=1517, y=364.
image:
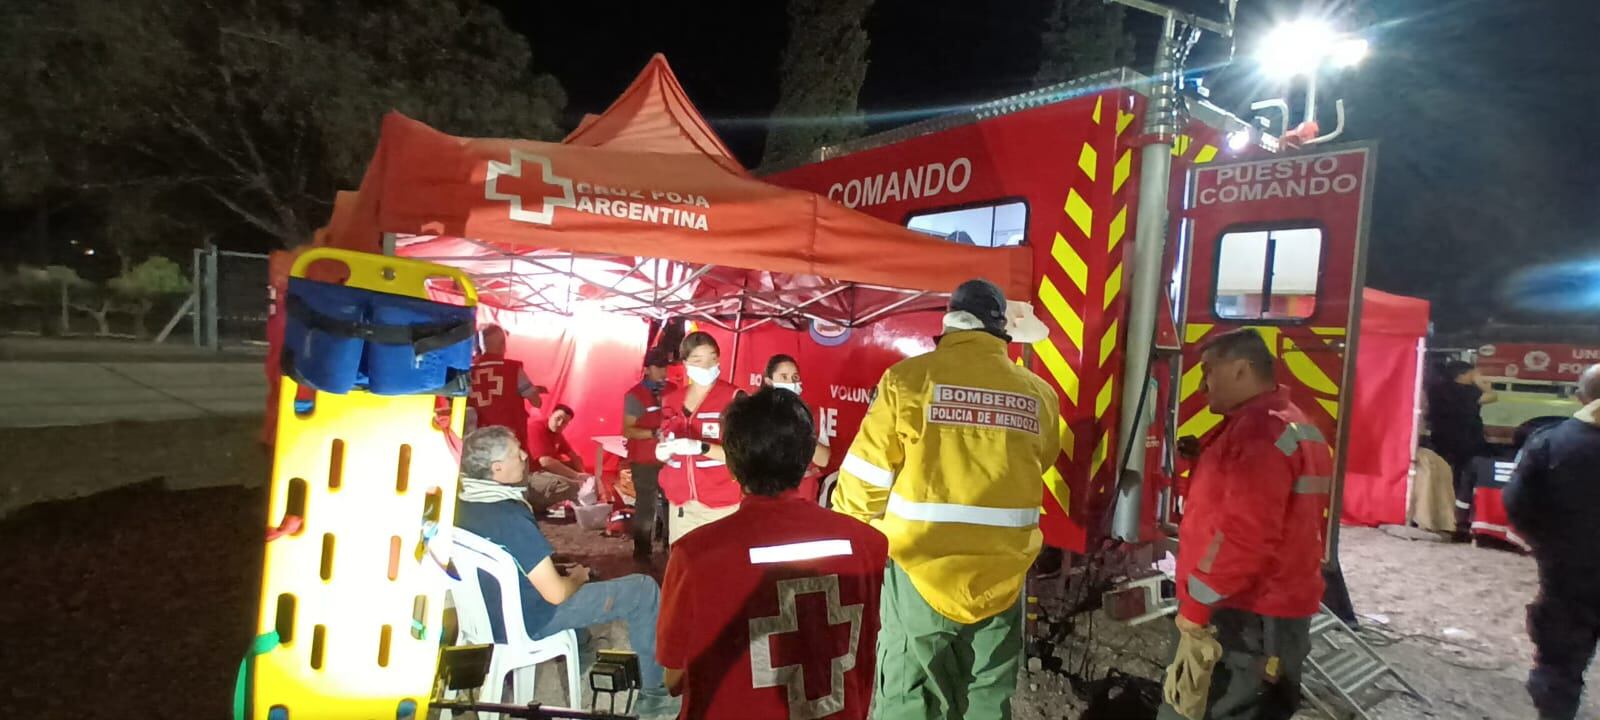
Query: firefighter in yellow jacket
x=949, y=464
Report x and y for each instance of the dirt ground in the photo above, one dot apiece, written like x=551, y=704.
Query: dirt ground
x=139, y=601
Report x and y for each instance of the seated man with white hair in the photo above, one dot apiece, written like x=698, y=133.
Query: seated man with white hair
x=492, y=506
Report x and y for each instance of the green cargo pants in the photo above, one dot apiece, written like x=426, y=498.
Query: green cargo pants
x=930, y=666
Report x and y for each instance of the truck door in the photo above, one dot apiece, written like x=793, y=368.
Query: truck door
x=1277, y=244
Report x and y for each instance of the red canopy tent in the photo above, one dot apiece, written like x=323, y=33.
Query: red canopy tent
x=642, y=212
x=1383, y=422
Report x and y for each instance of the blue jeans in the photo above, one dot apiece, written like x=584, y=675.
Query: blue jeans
x=634, y=599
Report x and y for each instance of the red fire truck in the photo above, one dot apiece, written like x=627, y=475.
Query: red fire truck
x=1252, y=239
x=1270, y=242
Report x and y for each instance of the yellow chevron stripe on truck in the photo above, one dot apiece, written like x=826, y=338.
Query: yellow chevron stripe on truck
x=1071, y=263
x=1294, y=359
x=1113, y=286
x=1119, y=228
x=1060, y=370
x=1305, y=370
x=1070, y=321
x=1079, y=210
x=1101, y=450
x=1108, y=342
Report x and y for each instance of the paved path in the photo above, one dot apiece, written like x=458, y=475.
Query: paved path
x=47, y=382
x=42, y=394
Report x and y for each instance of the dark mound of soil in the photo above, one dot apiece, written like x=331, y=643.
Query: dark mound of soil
x=137, y=602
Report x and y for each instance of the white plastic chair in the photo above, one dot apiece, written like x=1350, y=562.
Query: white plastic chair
x=518, y=655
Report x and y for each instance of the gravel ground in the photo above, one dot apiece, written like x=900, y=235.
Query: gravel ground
x=1448, y=617
x=138, y=602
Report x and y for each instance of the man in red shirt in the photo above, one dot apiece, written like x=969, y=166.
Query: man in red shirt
x=772, y=612
x=555, y=470
x=501, y=390
x=1250, y=545
x=641, y=428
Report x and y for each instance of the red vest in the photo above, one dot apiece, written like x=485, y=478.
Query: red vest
x=496, y=397
x=643, y=452
x=686, y=478
x=759, y=609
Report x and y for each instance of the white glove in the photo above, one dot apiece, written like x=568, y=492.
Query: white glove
x=684, y=446
x=664, y=449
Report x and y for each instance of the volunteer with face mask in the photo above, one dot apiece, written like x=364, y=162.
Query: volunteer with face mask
x=695, y=477
x=784, y=373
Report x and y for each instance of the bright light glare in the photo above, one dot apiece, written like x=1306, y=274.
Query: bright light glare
x=1296, y=48
x=1349, y=52
x=1238, y=140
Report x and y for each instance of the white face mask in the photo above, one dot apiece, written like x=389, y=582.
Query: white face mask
x=793, y=387
x=703, y=376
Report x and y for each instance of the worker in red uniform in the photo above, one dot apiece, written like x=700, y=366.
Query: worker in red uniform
x=501, y=390
x=1250, y=546
x=695, y=477
x=641, y=428
x=772, y=612
x=784, y=373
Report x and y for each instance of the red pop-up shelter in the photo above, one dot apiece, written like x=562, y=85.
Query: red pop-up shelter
x=1383, y=424
x=643, y=213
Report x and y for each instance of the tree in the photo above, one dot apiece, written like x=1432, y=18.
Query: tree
x=1082, y=37
x=46, y=289
x=253, y=112
x=145, y=284
x=824, y=65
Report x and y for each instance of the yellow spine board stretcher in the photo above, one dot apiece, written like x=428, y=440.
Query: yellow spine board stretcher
x=355, y=594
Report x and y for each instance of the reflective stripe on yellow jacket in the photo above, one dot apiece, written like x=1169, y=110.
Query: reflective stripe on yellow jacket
x=949, y=464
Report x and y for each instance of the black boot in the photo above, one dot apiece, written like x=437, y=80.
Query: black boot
x=1463, y=531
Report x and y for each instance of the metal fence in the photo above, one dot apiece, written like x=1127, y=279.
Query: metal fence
x=230, y=302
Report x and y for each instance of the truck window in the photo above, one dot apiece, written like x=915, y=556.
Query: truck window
x=1268, y=275
x=998, y=224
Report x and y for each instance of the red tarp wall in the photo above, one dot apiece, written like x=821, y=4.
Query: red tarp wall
x=587, y=360
x=1383, y=409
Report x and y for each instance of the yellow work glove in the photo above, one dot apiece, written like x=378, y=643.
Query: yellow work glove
x=1189, y=677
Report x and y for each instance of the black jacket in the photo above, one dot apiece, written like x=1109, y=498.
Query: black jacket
x=1455, y=421
x=1553, y=499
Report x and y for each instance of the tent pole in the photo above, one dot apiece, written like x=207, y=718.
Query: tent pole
x=738, y=335
x=738, y=327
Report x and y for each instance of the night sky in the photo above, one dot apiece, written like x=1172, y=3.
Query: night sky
x=1483, y=108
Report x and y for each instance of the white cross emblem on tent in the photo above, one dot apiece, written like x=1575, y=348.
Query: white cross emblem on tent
x=792, y=677
x=545, y=215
